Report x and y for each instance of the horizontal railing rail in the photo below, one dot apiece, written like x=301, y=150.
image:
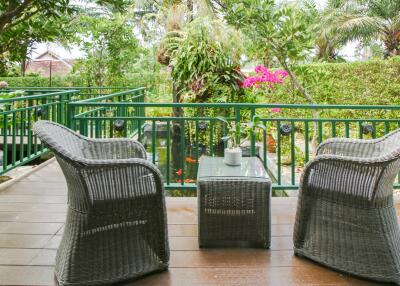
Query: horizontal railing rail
x=84, y=91
x=47, y=94
x=247, y=105
x=131, y=92
x=177, y=134
x=136, y=95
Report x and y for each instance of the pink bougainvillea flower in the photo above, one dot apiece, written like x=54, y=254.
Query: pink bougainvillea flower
x=276, y=110
x=265, y=76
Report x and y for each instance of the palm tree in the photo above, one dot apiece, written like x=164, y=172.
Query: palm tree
x=365, y=21
x=327, y=43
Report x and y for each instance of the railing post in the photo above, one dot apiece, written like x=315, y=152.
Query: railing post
x=70, y=114
x=5, y=143
x=252, y=136
x=237, y=121
x=279, y=151
x=142, y=100
x=60, y=115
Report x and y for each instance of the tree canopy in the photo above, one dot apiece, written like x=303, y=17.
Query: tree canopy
x=25, y=22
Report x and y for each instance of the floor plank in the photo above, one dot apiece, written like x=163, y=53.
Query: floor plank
x=24, y=240
x=26, y=275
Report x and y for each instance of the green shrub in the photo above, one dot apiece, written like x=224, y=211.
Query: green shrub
x=37, y=81
x=368, y=83
x=373, y=82
x=158, y=84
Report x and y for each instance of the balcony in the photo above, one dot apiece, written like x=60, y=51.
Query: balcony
x=33, y=208
x=32, y=212
x=176, y=135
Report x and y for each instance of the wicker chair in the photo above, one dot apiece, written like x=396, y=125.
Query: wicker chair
x=116, y=222
x=345, y=217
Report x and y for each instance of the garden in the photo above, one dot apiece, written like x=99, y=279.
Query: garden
x=266, y=76
x=207, y=142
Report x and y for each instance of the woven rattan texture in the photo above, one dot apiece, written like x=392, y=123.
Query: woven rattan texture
x=116, y=227
x=346, y=217
x=233, y=209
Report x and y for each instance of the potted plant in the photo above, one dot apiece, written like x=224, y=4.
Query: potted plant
x=233, y=150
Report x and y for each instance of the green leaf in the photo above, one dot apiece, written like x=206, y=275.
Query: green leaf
x=223, y=119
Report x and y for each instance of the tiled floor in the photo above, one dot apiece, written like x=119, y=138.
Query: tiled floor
x=31, y=219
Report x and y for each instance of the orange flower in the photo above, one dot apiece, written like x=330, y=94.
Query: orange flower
x=191, y=160
x=186, y=181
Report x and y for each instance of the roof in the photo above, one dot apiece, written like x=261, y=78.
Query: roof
x=50, y=55
x=47, y=61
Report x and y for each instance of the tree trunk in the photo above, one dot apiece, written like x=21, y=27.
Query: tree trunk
x=190, y=8
x=14, y=11
x=23, y=66
x=296, y=84
x=392, y=44
x=23, y=60
x=3, y=64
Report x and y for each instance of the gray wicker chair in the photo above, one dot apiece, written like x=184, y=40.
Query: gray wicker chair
x=345, y=217
x=116, y=222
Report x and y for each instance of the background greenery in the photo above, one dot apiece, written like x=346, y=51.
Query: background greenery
x=370, y=82
x=157, y=83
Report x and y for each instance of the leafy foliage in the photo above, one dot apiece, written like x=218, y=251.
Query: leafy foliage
x=158, y=84
x=375, y=82
x=204, y=66
x=366, y=21
x=156, y=18
x=15, y=12
x=25, y=22
x=238, y=130
x=370, y=82
x=282, y=32
x=110, y=46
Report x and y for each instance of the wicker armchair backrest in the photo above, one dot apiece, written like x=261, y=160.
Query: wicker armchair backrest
x=390, y=144
x=60, y=139
x=67, y=147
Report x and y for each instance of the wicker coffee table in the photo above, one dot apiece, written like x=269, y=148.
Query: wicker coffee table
x=233, y=203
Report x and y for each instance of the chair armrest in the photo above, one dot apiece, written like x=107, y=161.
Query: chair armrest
x=116, y=148
x=349, y=147
x=333, y=175
x=122, y=179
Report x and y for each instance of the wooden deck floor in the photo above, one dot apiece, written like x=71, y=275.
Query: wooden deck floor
x=33, y=210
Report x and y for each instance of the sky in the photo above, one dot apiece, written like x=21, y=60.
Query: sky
x=347, y=52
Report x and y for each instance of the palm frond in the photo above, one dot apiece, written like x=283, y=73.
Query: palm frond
x=396, y=23
x=383, y=8
x=359, y=27
x=335, y=4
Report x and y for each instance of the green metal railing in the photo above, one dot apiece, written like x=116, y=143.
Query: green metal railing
x=175, y=143
x=108, y=128
x=83, y=92
x=19, y=145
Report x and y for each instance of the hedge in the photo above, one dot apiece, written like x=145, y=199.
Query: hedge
x=371, y=82
x=156, y=83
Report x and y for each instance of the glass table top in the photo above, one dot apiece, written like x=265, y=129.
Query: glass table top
x=251, y=167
